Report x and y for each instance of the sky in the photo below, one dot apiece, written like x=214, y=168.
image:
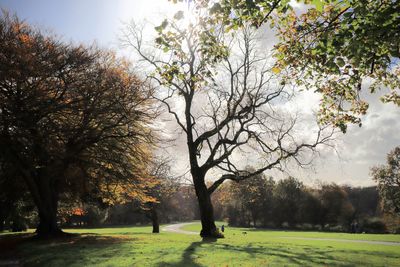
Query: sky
x=88, y=20
x=101, y=21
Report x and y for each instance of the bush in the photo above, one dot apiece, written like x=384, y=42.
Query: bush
x=374, y=226
x=335, y=228
x=94, y=216
x=307, y=227
x=18, y=225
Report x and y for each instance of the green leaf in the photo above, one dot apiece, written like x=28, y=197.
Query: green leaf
x=340, y=62
x=319, y=4
x=215, y=8
x=179, y=15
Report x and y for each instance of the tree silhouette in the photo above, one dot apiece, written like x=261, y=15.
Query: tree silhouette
x=73, y=121
x=231, y=103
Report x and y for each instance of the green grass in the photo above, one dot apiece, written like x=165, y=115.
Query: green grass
x=195, y=227
x=136, y=246
x=5, y=233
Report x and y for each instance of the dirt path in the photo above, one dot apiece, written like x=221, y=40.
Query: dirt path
x=176, y=228
x=387, y=243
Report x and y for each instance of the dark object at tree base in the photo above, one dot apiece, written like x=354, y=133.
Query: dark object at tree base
x=18, y=227
x=51, y=233
x=156, y=229
x=155, y=222
x=213, y=234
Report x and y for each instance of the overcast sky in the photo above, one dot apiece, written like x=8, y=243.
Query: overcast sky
x=86, y=21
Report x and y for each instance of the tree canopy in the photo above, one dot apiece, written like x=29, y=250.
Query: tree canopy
x=74, y=121
x=388, y=179
x=333, y=47
x=340, y=48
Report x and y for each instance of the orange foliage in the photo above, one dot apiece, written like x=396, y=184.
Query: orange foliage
x=78, y=212
x=24, y=38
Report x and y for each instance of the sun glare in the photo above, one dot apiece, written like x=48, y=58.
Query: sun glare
x=152, y=11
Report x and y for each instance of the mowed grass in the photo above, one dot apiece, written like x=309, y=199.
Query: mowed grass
x=196, y=227
x=136, y=246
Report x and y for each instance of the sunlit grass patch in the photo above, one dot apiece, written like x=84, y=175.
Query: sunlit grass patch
x=136, y=246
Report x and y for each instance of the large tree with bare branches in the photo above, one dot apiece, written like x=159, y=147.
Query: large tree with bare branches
x=223, y=95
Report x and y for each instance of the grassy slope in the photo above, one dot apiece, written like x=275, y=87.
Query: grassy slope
x=135, y=246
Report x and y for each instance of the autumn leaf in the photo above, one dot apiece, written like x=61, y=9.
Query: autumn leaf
x=276, y=70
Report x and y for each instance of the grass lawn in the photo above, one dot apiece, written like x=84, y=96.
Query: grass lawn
x=196, y=227
x=136, y=246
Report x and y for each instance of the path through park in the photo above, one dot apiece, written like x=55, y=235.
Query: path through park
x=387, y=243
x=176, y=228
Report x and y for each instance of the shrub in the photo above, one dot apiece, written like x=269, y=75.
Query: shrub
x=374, y=226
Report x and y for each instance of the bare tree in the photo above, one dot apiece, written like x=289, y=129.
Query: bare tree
x=231, y=104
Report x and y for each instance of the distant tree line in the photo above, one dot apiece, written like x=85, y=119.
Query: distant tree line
x=264, y=202
x=288, y=203
x=179, y=204
x=267, y=203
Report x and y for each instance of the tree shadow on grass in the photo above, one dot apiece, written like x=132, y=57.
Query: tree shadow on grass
x=188, y=256
x=286, y=254
x=282, y=255
x=9, y=243
x=308, y=255
x=77, y=249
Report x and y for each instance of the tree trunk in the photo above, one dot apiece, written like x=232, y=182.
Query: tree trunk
x=1, y=224
x=254, y=220
x=48, y=224
x=206, y=209
x=46, y=199
x=154, y=220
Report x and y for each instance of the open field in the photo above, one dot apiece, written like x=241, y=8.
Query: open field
x=136, y=246
x=195, y=227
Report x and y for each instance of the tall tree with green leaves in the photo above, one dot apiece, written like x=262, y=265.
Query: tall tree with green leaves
x=341, y=48
x=251, y=199
x=162, y=188
x=336, y=48
x=388, y=179
x=288, y=196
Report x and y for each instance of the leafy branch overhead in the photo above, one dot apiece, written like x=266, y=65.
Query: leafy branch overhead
x=341, y=49
x=335, y=48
